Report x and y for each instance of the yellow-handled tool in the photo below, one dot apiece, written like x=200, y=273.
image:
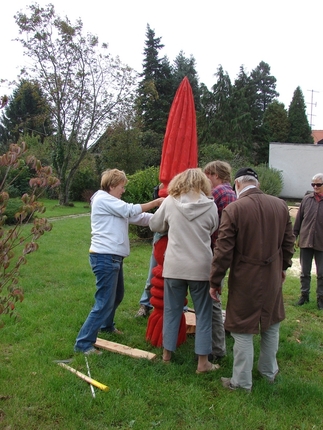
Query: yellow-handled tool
x=85, y=377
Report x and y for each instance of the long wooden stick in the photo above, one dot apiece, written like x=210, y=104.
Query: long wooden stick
x=85, y=378
x=89, y=374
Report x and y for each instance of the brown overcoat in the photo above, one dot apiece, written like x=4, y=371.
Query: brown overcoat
x=257, y=243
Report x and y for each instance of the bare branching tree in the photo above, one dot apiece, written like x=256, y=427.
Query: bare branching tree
x=86, y=88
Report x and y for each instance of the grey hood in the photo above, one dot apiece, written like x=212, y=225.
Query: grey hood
x=192, y=205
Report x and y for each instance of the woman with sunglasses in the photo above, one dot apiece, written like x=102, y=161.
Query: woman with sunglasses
x=309, y=227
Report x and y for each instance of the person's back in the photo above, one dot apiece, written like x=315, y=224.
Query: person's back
x=258, y=217
x=190, y=217
x=256, y=242
x=260, y=222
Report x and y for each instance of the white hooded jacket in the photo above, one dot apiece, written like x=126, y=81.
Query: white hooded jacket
x=110, y=218
x=190, y=220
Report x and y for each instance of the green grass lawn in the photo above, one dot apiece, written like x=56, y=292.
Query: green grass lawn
x=53, y=209
x=36, y=393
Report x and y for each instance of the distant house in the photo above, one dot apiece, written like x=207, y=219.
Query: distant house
x=318, y=137
x=297, y=162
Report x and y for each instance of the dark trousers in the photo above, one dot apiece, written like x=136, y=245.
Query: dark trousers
x=306, y=258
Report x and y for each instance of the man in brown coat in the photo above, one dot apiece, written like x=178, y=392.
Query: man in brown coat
x=257, y=243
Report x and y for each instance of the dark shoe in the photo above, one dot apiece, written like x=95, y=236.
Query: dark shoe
x=302, y=300
x=320, y=303
x=93, y=351
x=114, y=331
x=270, y=380
x=143, y=311
x=212, y=357
x=226, y=383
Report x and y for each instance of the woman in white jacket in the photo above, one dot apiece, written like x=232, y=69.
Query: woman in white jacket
x=110, y=217
x=190, y=217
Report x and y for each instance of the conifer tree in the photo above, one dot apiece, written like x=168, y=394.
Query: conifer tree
x=241, y=123
x=156, y=88
x=300, y=130
x=184, y=66
x=277, y=123
x=222, y=91
x=27, y=113
x=264, y=87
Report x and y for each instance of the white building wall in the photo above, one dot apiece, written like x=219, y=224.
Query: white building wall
x=298, y=163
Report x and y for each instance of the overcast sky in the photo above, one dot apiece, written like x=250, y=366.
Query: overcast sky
x=283, y=33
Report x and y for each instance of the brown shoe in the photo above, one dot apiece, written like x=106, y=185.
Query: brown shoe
x=226, y=383
x=143, y=311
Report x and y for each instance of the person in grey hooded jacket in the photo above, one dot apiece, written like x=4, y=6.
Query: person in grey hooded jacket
x=190, y=217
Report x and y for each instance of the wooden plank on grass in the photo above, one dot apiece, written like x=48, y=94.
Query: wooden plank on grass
x=190, y=322
x=123, y=349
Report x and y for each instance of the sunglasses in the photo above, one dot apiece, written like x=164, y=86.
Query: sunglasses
x=316, y=185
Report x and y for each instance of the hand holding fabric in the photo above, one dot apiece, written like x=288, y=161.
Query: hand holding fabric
x=215, y=292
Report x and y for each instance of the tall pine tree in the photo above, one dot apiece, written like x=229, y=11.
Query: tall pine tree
x=276, y=122
x=222, y=91
x=300, y=130
x=184, y=66
x=156, y=88
x=262, y=92
x=241, y=123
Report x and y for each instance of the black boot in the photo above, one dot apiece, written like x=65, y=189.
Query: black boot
x=320, y=303
x=303, y=299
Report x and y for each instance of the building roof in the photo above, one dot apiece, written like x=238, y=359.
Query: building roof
x=317, y=135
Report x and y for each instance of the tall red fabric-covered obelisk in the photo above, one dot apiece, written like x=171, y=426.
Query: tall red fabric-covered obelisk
x=178, y=154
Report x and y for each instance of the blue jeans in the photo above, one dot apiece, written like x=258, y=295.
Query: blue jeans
x=146, y=295
x=175, y=291
x=108, y=271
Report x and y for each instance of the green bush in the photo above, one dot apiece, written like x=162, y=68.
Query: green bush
x=271, y=180
x=140, y=189
x=13, y=206
x=212, y=152
x=141, y=185
x=17, y=179
x=85, y=183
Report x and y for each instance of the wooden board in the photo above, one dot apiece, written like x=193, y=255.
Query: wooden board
x=190, y=322
x=123, y=349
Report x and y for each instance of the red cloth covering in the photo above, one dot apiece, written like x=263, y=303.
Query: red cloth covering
x=154, y=332
x=178, y=154
x=180, y=142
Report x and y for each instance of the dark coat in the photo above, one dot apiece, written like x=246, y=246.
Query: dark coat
x=309, y=223
x=257, y=243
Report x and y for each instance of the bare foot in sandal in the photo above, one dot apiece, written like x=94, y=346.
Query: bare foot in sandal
x=204, y=366
x=212, y=368
x=167, y=355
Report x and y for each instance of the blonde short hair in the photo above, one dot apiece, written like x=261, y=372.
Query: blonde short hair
x=220, y=168
x=189, y=180
x=112, y=178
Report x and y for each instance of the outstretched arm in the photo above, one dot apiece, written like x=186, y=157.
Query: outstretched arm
x=151, y=205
